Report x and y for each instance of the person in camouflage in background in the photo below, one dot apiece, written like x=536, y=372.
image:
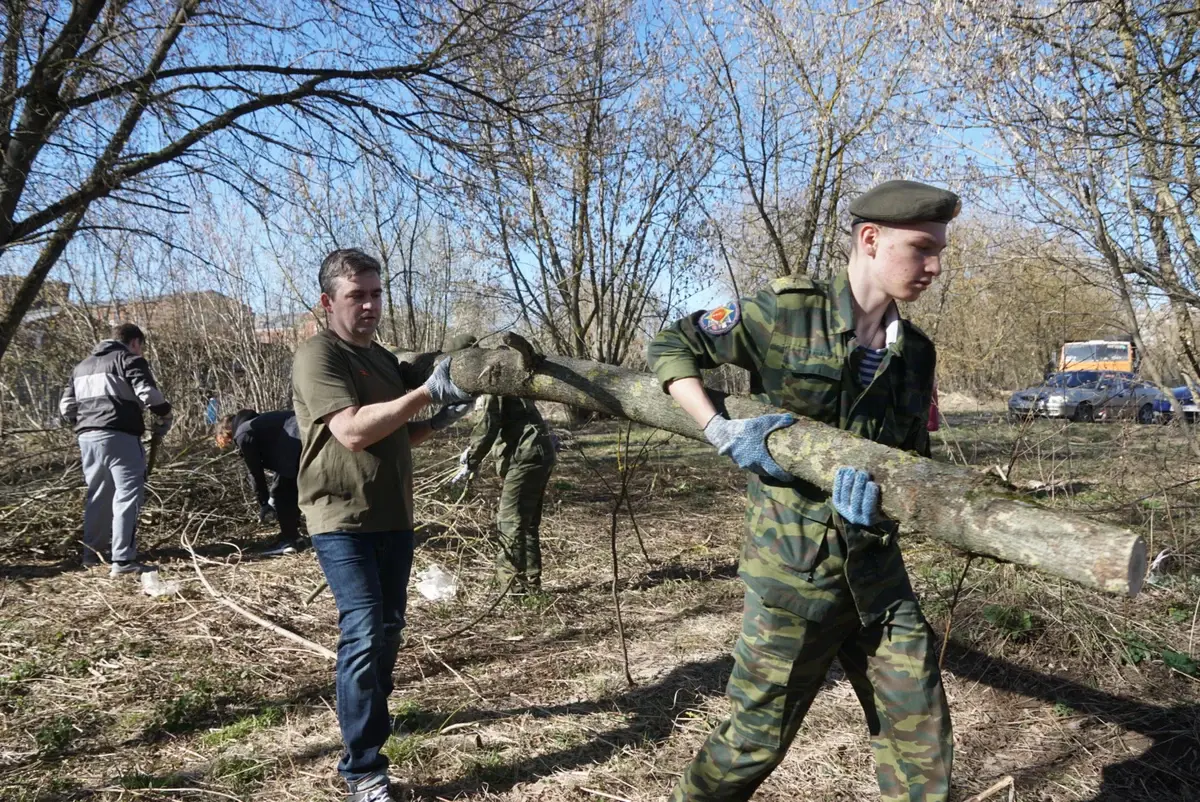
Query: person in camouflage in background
x=824, y=577
x=514, y=431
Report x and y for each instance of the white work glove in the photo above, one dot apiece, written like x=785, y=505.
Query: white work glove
x=464, y=470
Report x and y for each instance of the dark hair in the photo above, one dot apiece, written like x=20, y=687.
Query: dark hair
x=126, y=333
x=345, y=263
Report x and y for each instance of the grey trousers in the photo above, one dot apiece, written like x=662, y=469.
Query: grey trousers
x=114, y=467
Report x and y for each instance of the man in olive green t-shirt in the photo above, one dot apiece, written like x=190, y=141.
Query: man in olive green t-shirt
x=354, y=403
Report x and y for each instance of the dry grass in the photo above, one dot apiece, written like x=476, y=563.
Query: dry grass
x=108, y=694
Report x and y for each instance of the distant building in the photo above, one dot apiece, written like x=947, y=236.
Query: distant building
x=51, y=301
x=182, y=315
x=289, y=330
x=33, y=381
x=52, y=293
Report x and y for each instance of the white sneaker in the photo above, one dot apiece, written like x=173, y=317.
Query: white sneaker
x=281, y=548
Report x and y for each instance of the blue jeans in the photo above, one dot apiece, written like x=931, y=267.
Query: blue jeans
x=368, y=575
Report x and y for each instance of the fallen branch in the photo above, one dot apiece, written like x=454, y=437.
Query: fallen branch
x=262, y=622
x=470, y=624
x=959, y=506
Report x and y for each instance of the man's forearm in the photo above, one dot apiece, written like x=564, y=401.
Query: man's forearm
x=692, y=396
x=358, y=428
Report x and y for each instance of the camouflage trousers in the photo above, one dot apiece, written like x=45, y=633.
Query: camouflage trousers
x=780, y=662
x=519, y=520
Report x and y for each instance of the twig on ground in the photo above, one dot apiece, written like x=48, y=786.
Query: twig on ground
x=992, y=790
x=262, y=622
x=478, y=618
x=316, y=592
x=604, y=795
x=425, y=642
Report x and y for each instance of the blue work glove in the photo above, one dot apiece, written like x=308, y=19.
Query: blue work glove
x=855, y=496
x=449, y=414
x=745, y=442
x=441, y=389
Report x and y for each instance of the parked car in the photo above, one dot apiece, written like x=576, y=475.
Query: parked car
x=1187, y=405
x=1085, y=395
x=1128, y=398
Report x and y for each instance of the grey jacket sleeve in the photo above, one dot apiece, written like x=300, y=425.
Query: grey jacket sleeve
x=68, y=406
x=137, y=372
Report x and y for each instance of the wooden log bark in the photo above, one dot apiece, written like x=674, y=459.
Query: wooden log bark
x=968, y=510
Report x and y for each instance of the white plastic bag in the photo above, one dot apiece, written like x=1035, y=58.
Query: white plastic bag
x=152, y=585
x=436, y=585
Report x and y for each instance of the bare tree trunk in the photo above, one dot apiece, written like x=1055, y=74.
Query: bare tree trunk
x=956, y=505
x=32, y=284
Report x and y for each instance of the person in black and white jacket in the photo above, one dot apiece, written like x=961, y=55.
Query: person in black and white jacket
x=104, y=402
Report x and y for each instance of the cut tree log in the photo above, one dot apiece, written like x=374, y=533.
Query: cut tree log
x=966, y=509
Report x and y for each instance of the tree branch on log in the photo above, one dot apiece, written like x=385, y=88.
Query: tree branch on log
x=967, y=510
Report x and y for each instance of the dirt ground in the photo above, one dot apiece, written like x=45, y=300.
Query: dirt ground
x=107, y=694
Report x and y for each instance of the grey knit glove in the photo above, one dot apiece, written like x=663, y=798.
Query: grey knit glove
x=441, y=389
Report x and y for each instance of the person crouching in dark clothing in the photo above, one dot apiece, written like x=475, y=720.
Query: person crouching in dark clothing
x=269, y=442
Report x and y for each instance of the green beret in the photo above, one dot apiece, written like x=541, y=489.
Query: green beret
x=905, y=202
x=460, y=341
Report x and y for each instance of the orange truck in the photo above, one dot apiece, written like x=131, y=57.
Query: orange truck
x=1105, y=355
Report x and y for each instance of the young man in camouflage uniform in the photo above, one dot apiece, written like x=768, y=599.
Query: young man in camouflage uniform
x=823, y=577
x=524, y=457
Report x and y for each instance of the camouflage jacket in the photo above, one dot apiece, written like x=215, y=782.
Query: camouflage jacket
x=513, y=430
x=796, y=338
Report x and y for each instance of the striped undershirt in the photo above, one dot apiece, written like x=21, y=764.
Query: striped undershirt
x=871, y=358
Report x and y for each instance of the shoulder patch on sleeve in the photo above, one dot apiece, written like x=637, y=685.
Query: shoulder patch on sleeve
x=721, y=319
x=797, y=282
